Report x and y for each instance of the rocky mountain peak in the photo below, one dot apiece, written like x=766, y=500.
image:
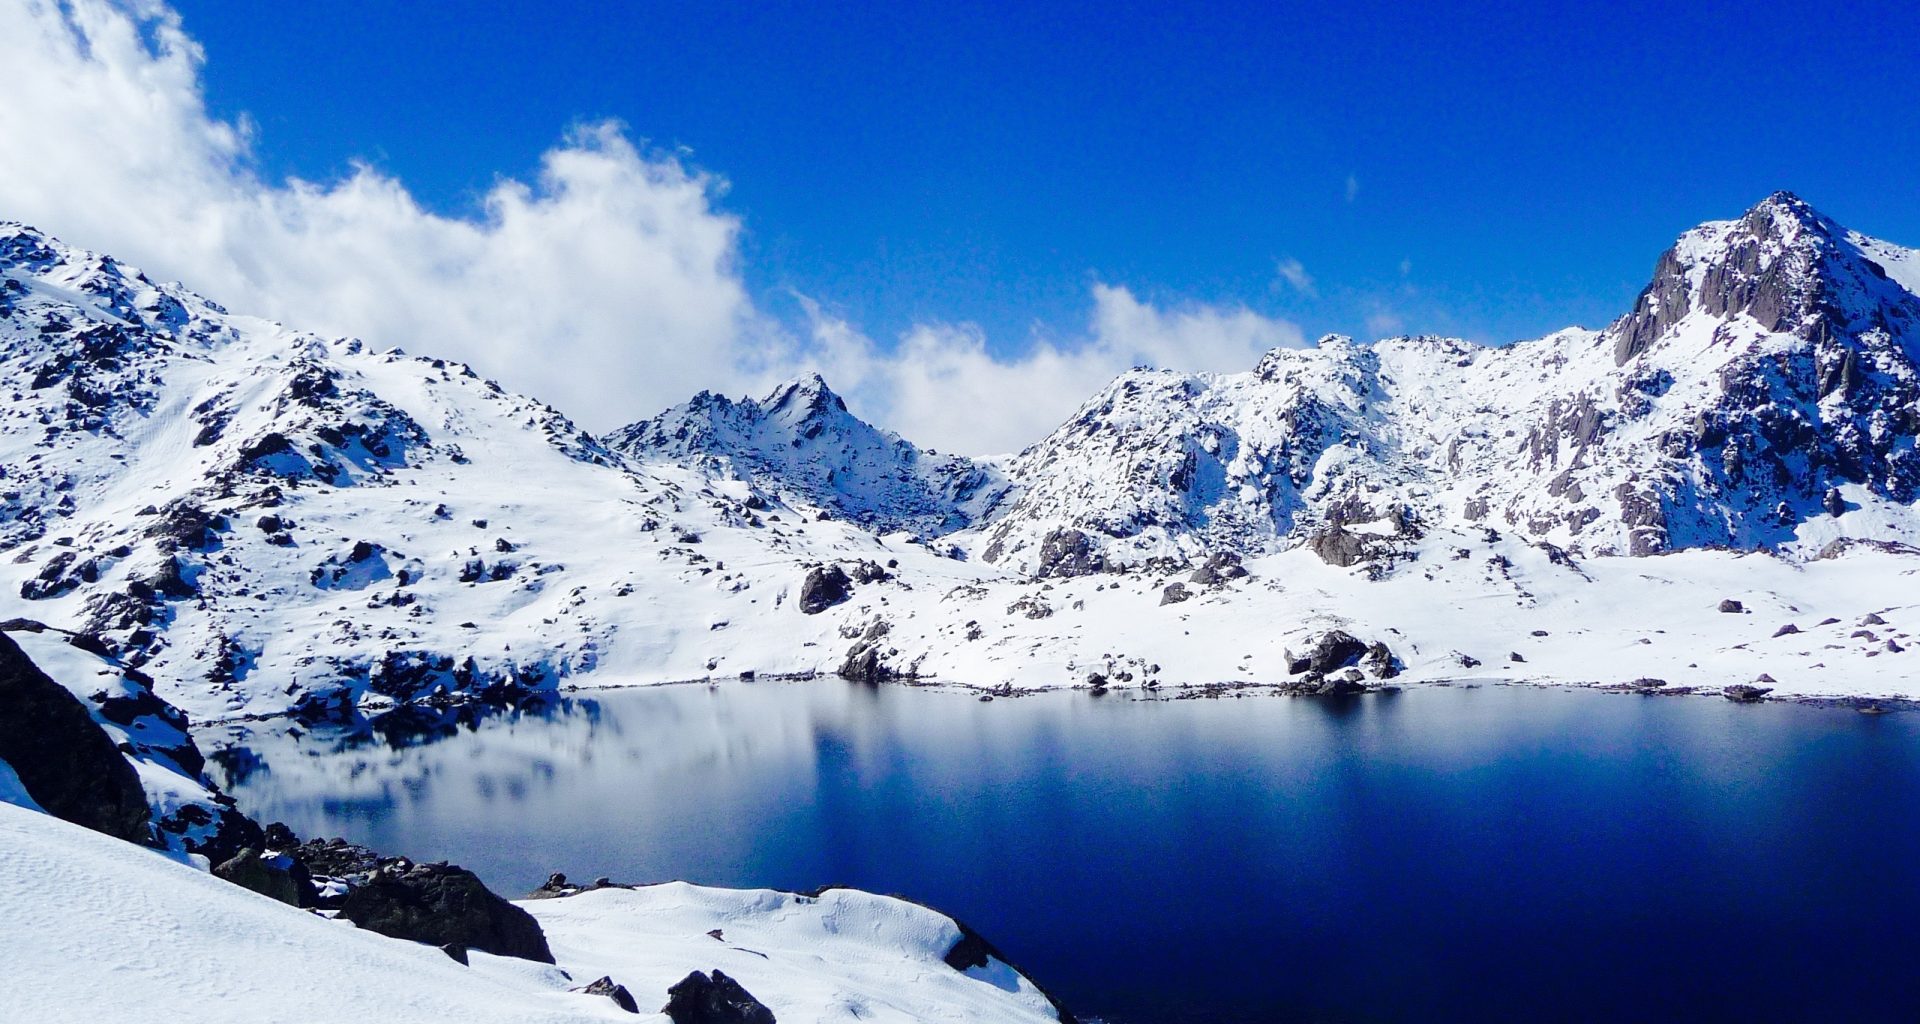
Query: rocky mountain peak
x=801, y=443
x=1783, y=265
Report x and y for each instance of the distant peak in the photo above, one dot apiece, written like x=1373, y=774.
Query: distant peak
x=807, y=393
x=1782, y=211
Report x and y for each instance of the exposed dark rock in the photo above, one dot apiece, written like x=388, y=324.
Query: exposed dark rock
x=824, y=587
x=457, y=953
x=1337, y=545
x=1066, y=553
x=1732, y=607
x=1381, y=661
x=1786, y=630
x=436, y=904
x=1740, y=693
x=699, y=999
x=65, y=761
x=604, y=986
x=1174, y=594
x=1873, y=619
x=1220, y=567
x=1335, y=649
x=864, y=662
x=269, y=876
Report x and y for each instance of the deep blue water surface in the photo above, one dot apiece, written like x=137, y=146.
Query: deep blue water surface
x=1489, y=854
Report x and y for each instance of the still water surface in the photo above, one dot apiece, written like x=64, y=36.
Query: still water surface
x=1459, y=854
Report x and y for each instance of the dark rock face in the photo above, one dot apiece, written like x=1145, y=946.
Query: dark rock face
x=269, y=876
x=622, y=998
x=1220, y=567
x=1174, y=594
x=1337, y=545
x=1740, y=693
x=1066, y=553
x=1336, y=649
x=824, y=587
x=1732, y=607
x=865, y=662
x=436, y=904
x=66, y=762
x=1381, y=661
x=699, y=999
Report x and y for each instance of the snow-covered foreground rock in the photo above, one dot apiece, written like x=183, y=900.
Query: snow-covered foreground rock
x=264, y=520
x=100, y=930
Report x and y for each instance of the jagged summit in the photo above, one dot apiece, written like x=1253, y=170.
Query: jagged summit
x=801, y=444
x=1784, y=267
x=1762, y=389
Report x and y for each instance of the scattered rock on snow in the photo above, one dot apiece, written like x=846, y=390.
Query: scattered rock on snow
x=1731, y=606
x=1741, y=693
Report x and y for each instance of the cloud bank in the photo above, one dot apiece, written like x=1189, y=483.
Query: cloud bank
x=608, y=285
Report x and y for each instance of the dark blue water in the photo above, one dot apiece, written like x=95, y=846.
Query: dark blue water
x=1486, y=854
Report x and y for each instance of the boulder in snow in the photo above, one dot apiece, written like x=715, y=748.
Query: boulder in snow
x=699, y=999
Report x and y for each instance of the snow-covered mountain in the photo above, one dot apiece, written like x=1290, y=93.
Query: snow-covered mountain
x=802, y=443
x=1762, y=393
x=263, y=519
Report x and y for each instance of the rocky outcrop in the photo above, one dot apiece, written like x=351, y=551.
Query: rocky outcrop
x=1066, y=553
x=436, y=903
x=865, y=661
x=717, y=999
x=605, y=986
x=1334, y=649
x=64, y=760
x=824, y=587
x=272, y=876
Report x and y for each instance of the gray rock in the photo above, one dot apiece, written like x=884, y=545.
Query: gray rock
x=1381, y=661
x=436, y=904
x=1066, y=553
x=699, y=999
x=270, y=877
x=1740, y=693
x=1174, y=594
x=1335, y=649
x=824, y=587
x=1732, y=607
x=605, y=986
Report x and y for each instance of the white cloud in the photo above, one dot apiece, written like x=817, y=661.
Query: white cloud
x=1406, y=267
x=609, y=285
x=1353, y=188
x=942, y=387
x=1294, y=274
x=609, y=258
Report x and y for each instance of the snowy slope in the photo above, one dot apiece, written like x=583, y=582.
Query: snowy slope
x=108, y=931
x=801, y=443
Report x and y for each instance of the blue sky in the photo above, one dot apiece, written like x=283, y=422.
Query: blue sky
x=1495, y=173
